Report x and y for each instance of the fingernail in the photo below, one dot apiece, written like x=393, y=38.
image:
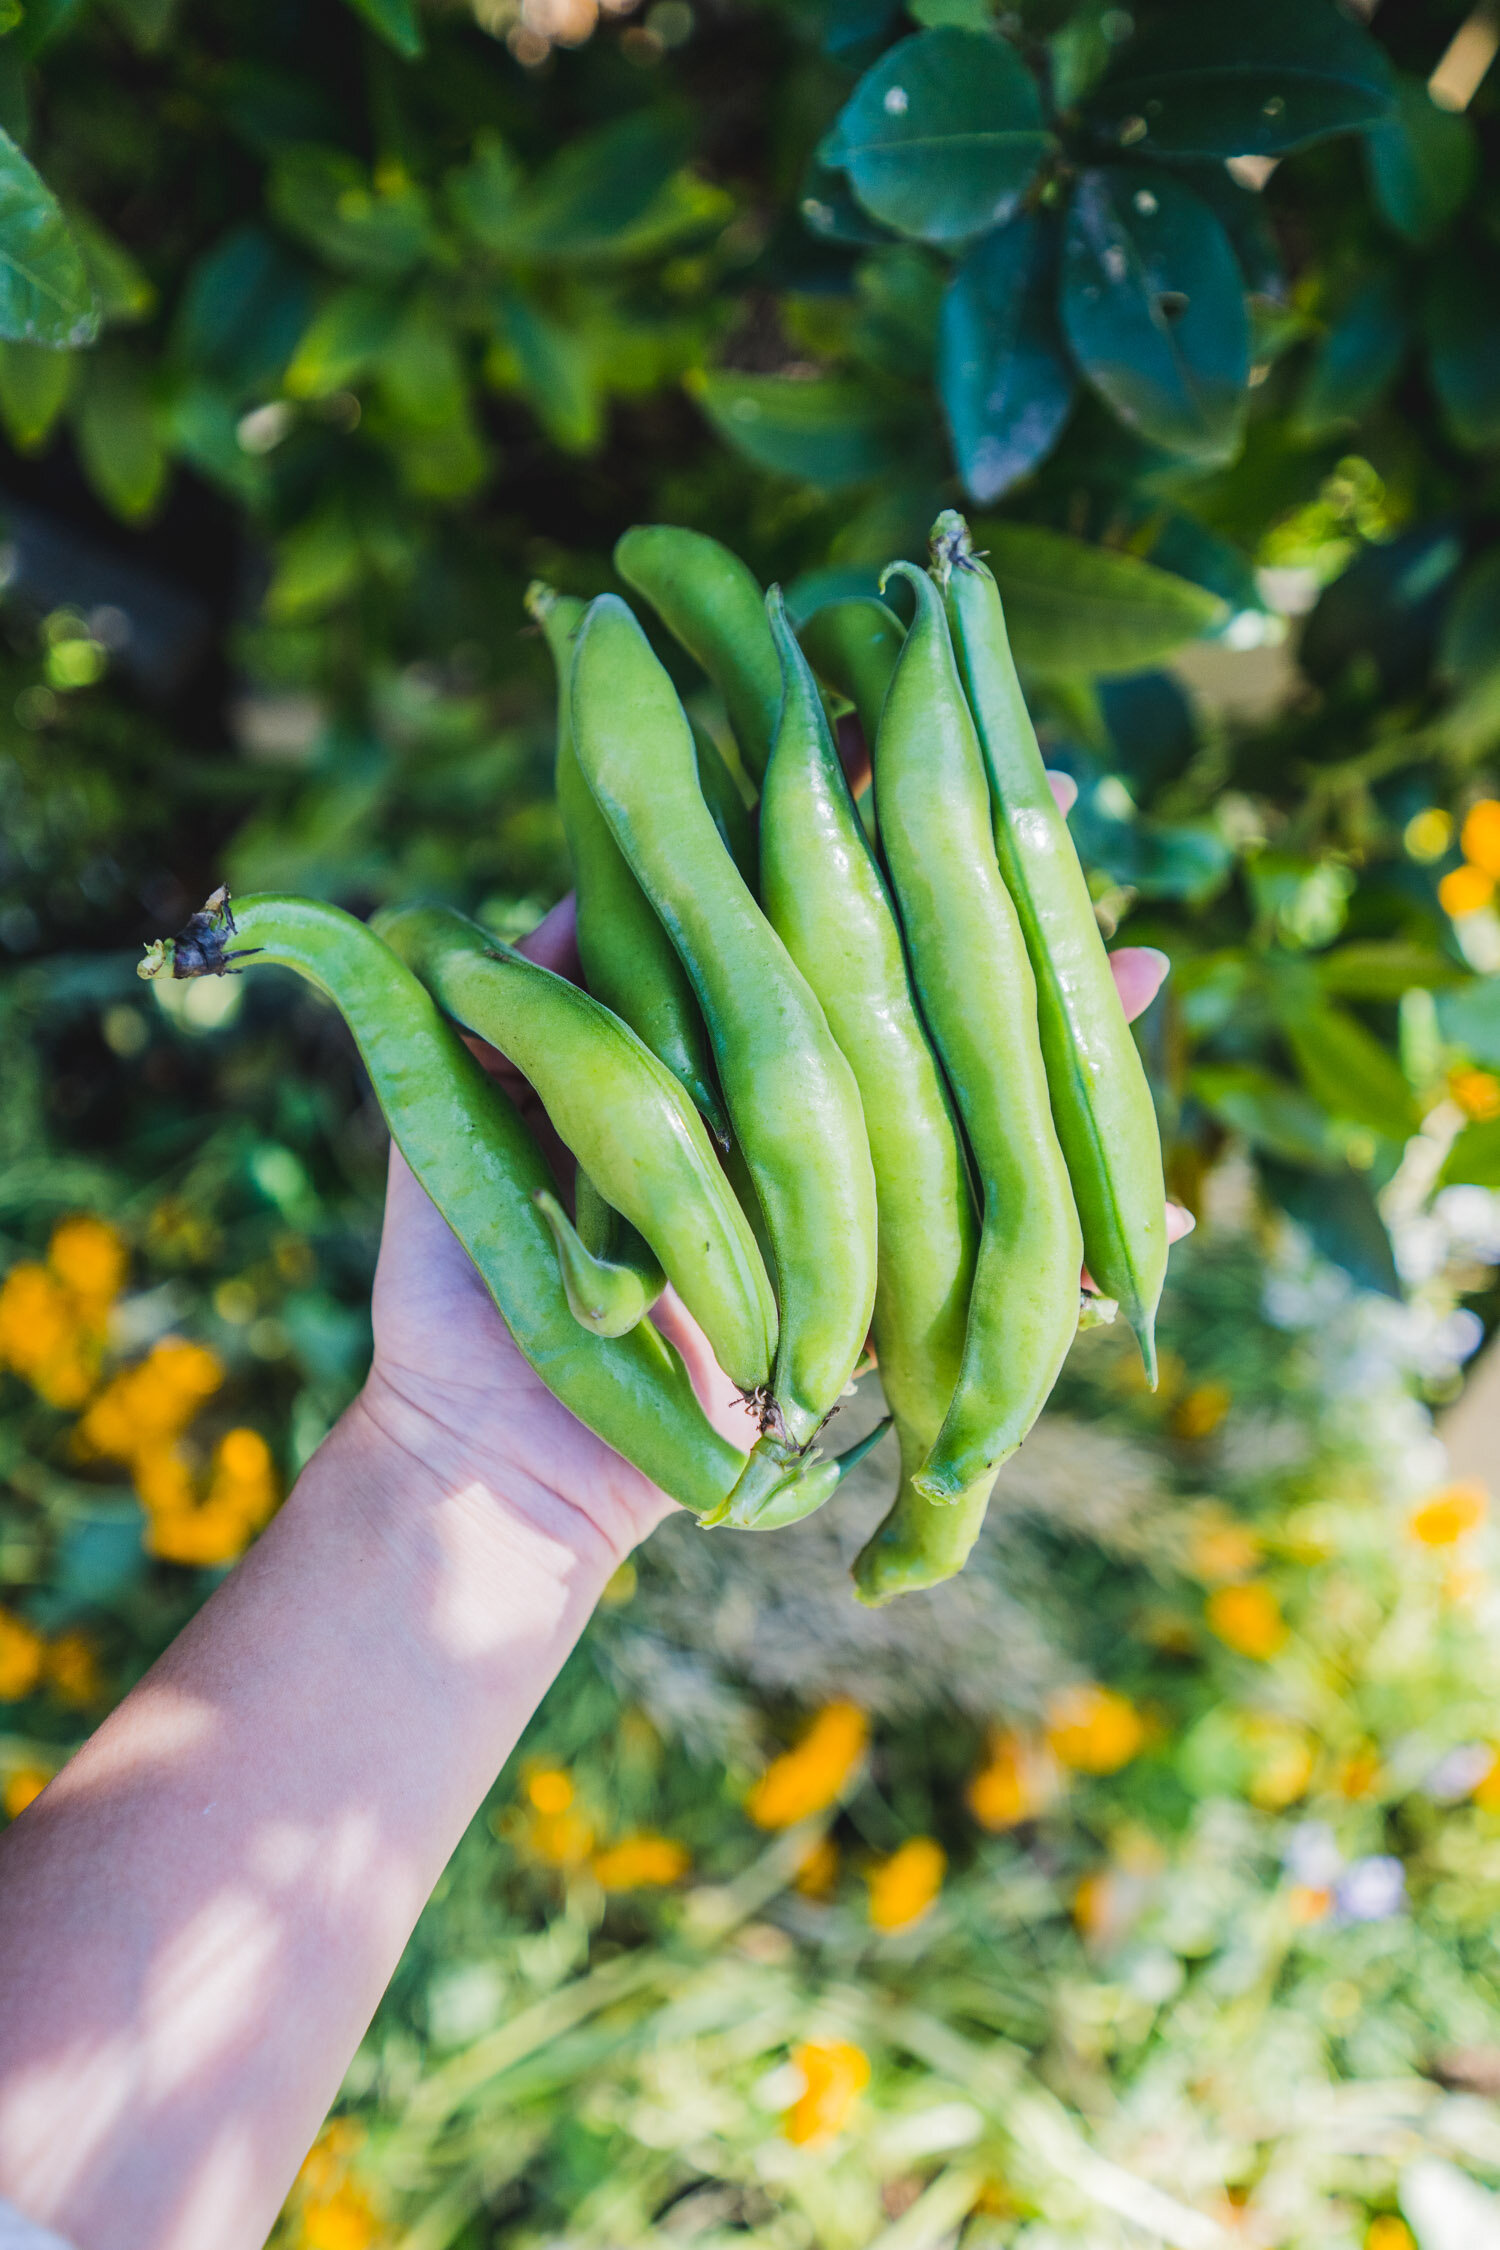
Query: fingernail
x=1155, y=953
x=1186, y=1216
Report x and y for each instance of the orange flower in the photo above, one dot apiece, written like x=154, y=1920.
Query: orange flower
x=71, y=1667
x=1309, y=1903
x=1095, y=1906
x=903, y=1887
x=88, y=1257
x=1444, y=1518
x=1201, y=1412
x=1091, y=1729
x=1247, y=1619
x=43, y=1338
x=638, y=1863
x=1356, y=1774
x=1465, y=890
x=818, y=1870
x=1479, y=838
x=834, y=2075
x=811, y=1777
x=1389, y=2233
x=1016, y=1783
x=1477, y=1093
x=150, y=1403
x=22, y=1654
x=23, y=1786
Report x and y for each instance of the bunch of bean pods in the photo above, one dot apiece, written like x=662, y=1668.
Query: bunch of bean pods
x=849, y=1076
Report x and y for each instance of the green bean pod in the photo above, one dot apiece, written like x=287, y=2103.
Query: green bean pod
x=731, y=816
x=467, y=1144
x=605, y=1295
x=620, y=1112
x=979, y=999
x=709, y=601
x=792, y=1098
x=627, y=957
x=853, y=645
x=825, y=898
x=1106, y=1119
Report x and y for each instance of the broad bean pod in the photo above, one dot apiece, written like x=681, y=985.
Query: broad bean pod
x=1106, y=1119
x=608, y=1290
x=792, y=1098
x=620, y=1112
x=853, y=645
x=978, y=996
x=709, y=601
x=826, y=899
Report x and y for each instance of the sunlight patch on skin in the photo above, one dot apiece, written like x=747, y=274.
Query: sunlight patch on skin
x=465, y=1620
x=59, y=2114
x=208, y=1990
x=164, y=1726
x=229, y=2180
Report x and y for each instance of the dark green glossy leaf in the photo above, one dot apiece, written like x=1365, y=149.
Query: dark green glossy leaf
x=943, y=136
x=1072, y=607
x=1470, y=649
x=1004, y=376
x=1469, y=1017
x=1254, y=81
x=45, y=294
x=1341, y=1219
x=1422, y=163
x=35, y=385
x=852, y=27
x=1474, y=1159
x=1242, y=213
x=1358, y=359
x=1463, y=340
x=827, y=431
x=1188, y=549
x=395, y=21
x=1347, y=1070
x=245, y=307
x=1268, y=1113
x=328, y=200
x=119, y=440
x=830, y=212
x=962, y=15
x=1154, y=309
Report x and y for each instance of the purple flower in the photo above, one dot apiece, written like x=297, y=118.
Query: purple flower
x=1371, y=1890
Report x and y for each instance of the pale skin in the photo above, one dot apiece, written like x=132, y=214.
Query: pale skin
x=199, y=1915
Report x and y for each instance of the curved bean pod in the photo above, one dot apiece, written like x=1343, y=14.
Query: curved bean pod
x=627, y=956
x=791, y=1095
x=979, y=998
x=619, y=1111
x=1106, y=1119
x=721, y=794
x=467, y=1144
x=826, y=900
x=606, y=1295
x=709, y=600
x=853, y=645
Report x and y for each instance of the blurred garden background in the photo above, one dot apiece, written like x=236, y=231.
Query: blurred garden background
x=1141, y=1886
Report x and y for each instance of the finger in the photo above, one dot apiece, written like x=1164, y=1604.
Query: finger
x=1180, y=1221
x=1065, y=789
x=554, y=941
x=1140, y=971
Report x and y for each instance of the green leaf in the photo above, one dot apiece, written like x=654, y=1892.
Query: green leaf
x=395, y=21
x=486, y=194
x=1345, y=1067
x=1242, y=213
x=246, y=303
x=146, y=22
x=1386, y=968
x=1474, y=1159
x=35, y=385
x=1253, y=81
x=830, y=212
x=327, y=200
x=345, y=336
x=425, y=390
x=1341, y=1219
x=944, y=135
x=1154, y=310
x=45, y=296
x=1469, y=1017
x=318, y=562
x=555, y=372
x=202, y=427
x=1463, y=341
x=1422, y=163
x=1075, y=608
x=1470, y=649
x=119, y=442
x=1005, y=379
x=610, y=196
x=123, y=292
x=1357, y=360
x=829, y=430
x=1268, y=1113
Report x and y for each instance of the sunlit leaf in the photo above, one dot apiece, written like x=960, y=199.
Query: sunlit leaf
x=1003, y=373
x=45, y=293
x=828, y=430
x=329, y=201
x=1270, y=1113
x=1074, y=607
x=1347, y=1070
x=344, y=337
x=35, y=385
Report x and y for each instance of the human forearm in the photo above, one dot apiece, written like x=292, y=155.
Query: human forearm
x=200, y=1914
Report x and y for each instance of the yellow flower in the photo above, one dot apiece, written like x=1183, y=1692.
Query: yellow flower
x=903, y=1887
x=1444, y=1518
x=1479, y=838
x=242, y=1481
x=818, y=1870
x=1477, y=1093
x=550, y=1790
x=1223, y=1550
x=1284, y=1759
x=346, y=2222
x=88, y=1257
x=1465, y=890
x=23, y=1786
x=1247, y=1619
x=1357, y=1773
x=202, y=1537
x=150, y=1403
x=1309, y=1903
x=834, y=2075
x=1015, y=1784
x=562, y=1839
x=332, y=2210
x=638, y=1863
x=22, y=1653
x=1201, y=1412
x=1389, y=2233
x=71, y=1667
x=811, y=1777
x=1429, y=833
x=1091, y=1729
x=44, y=1337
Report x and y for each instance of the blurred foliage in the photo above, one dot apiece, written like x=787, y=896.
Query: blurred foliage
x=334, y=325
